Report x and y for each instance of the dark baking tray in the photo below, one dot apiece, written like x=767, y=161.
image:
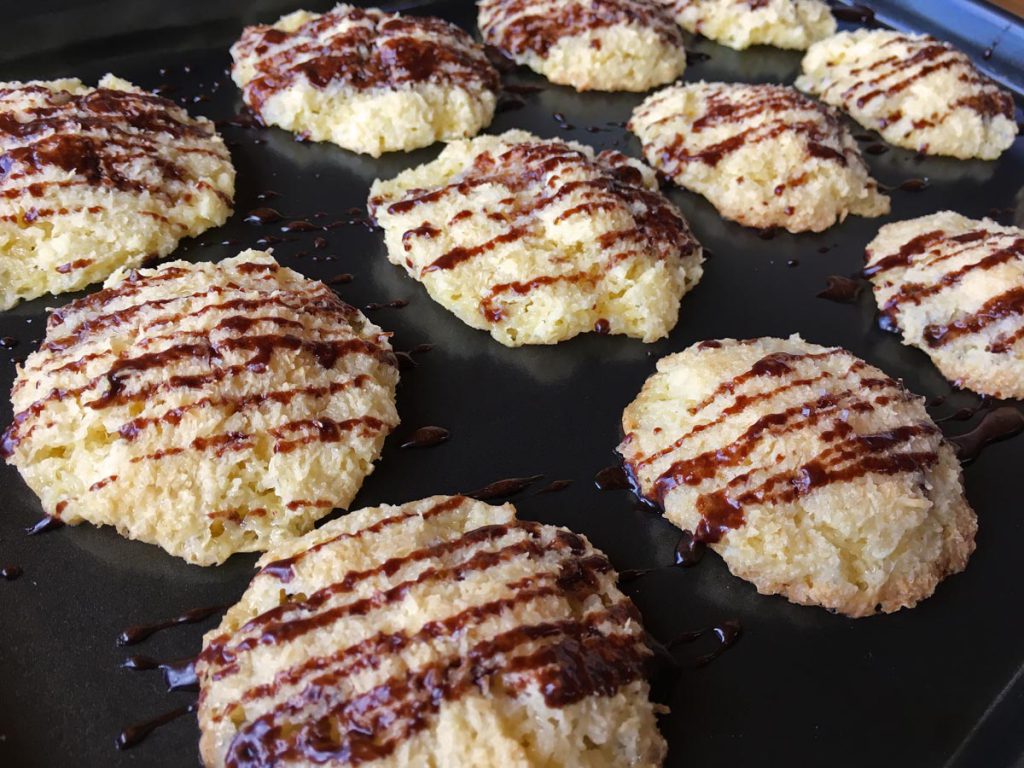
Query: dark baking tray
x=937, y=685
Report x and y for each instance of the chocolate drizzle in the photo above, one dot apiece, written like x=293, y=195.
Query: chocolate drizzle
x=104, y=138
x=844, y=453
x=976, y=250
x=327, y=718
x=361, y=49
x=742, y=109
x=519, y=27
x=11, y=572
x=541, y=175
x=868, y=89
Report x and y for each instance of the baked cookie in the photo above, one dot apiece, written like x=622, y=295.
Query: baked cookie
x=763, y=155
x=954, y=287
x=916, y=91
x=538, y=240
x=206, y=408
x=740, y=24
x=368, y=81
x=813, y=474
x=592, y=45
x=439, y=632
x=93, y=179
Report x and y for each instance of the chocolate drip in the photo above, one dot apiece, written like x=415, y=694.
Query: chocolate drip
x=612, y=478
x=179, y=675
x=843, y=290
x=11, y=572
x=689, y=550
x=500, y=488
x=1000, y=424
x=263, y=216
x=427, y=437
x=138, y=633
x=554, y=486
x=727, y=634
x=393, y=304
x=45, y=525
x=136, y=734
x=8, y=342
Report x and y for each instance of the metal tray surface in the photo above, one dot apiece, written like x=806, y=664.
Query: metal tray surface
x=937, y=685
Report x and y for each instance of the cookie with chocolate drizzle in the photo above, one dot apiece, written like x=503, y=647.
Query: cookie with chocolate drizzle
x=954, y=287
x=813, y=474
x=206, y=408
x=917, y=92
x=592, y=45
x=765, y=156
x=366, y=80
x=538, y=240
x=93, y=179
x=740, y=24
x=439, y=632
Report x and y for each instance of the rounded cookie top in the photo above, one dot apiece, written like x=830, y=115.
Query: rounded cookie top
x=538, y=240
x=916, y=91
x=763, y=155
x=813, y=474
x=369, y=81
x=592, y=45
x=206, y=408
x=93, y=179
x=740, y=24
x=954, y=287
x=439, y=632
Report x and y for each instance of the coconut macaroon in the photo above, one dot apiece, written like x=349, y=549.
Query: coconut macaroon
x=538, y=240
x=740, y=24
x=368, y=81
x=763, y=155
x=813, y=474
x=954, y=287
x=592, y=45
x=93, y=179
x=206, y=408
x=439, y=632
x=916, y=91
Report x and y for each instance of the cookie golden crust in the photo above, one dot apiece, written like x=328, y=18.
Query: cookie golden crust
x=740, y=24
x=439, y=632
x=205, y=408
x=813, y=474
x=954, y=287
x=538, y=240
x=93, y=179
x=368, y=81
x=763, y=155
x=916, y=91
x=592, y=45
